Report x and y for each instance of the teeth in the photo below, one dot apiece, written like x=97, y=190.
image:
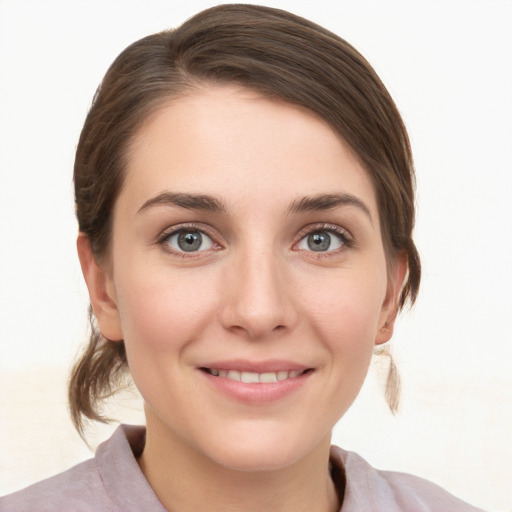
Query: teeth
x=233, y=375
x=249, y=377
x=253, y=377
x=268, y=377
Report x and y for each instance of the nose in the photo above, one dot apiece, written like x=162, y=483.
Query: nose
x=259, y=300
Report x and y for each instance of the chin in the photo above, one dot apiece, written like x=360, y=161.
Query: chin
x=257, y=459
x=254, y=450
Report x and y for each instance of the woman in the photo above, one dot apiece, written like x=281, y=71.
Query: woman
x=244, y=192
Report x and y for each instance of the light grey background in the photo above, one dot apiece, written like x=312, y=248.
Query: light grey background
x=448, y=65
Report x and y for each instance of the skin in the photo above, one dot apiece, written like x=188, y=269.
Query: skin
x=254, y=292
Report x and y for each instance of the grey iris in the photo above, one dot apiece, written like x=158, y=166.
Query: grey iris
x=190, y=241
x=319, y=241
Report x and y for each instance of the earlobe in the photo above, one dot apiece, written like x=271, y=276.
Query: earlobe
x=390, y=306
x=101, y=291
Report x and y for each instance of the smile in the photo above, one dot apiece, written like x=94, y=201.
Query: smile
x=253, y=377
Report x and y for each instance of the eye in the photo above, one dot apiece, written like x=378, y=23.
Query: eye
x=322, y=241
x=187, y=240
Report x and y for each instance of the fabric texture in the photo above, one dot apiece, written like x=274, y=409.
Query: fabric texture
x=113, y=482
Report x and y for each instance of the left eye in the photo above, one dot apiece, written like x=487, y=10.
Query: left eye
x=322, y=241
x=189, y=241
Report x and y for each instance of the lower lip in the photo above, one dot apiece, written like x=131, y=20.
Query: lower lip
x=261, y=392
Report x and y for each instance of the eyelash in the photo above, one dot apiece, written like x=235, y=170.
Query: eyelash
x=345, y=237
x=347, y=240
x=164, y=238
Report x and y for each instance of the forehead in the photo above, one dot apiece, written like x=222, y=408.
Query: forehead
x=231, y=142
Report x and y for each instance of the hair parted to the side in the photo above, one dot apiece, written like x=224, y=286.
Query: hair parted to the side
x=268, y=50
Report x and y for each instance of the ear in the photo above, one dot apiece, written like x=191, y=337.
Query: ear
x=101, y=291
x=396, y=277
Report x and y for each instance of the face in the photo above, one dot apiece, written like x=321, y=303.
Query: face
x=247, y=277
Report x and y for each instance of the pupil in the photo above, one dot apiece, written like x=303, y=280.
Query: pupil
x=189, y=241
x=319, y=241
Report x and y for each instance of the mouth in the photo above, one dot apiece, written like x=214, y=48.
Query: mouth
x=254, y=377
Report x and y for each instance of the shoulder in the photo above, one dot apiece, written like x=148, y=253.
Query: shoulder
x=368, y=489
x=79, y=489
x=111, y=482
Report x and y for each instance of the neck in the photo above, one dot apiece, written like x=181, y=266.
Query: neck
x=186, y=481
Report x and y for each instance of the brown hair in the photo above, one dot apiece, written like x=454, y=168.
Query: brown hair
x=267, y=50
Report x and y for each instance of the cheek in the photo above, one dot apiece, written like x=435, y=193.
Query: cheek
x=346, y=316
x=350, y=301
x=162, y=309
x=161, y=316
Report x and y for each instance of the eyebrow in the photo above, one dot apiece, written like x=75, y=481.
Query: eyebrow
x=326, y=202
x=212, y=204
x=185, y=200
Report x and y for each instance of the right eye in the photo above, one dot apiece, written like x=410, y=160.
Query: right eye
x=188, y=240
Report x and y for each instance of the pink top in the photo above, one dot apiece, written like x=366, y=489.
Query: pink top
x=113, y=482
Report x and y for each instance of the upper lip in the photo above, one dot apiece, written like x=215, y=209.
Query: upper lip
x=256, y=366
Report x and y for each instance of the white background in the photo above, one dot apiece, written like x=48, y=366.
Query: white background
x=448, y=65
